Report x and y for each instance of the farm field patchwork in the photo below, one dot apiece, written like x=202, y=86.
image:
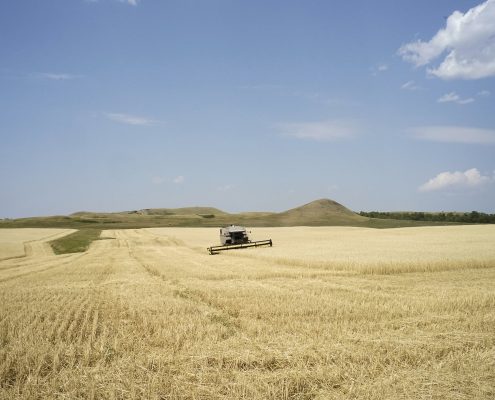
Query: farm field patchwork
x=327, y=313
x=17, y=242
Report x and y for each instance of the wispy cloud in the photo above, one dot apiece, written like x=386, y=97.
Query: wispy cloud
x=312, y=96
x=453, y=97
x=454, y=134
x=467, y=41
x=484, y=93
x=56, y=76
x=130, y=2
x=320, y=131
x=410, y=85
x=129, y=119
x=472, y=178
x=178, y=179
x=375, y=70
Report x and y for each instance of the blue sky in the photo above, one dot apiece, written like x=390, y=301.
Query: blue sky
x=115, y=105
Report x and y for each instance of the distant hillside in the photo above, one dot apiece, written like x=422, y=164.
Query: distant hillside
x=317, y=213
x=180, y=211
x=320, y=207
x=157, y=211
x=323, y=212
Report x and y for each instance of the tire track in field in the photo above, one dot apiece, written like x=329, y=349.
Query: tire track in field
x=43, y=268
x=27, y=262
x=12, y=258
x=134, y=242
x=218, y=314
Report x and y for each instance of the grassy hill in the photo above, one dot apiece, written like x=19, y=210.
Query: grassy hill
x=318, y=212
x=323, y=212
x=200, y=211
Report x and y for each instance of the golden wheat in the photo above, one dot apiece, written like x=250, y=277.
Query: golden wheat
x=327, y=313
x=18, y=242
x=363, y=250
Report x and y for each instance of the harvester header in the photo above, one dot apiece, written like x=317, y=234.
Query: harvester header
x=236, y=237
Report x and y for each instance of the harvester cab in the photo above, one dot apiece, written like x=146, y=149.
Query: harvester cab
x=233, y=235
x=236, y=237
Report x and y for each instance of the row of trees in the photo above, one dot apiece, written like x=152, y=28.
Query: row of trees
x=474, y=217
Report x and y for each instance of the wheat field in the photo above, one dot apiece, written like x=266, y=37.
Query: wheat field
x=327, y=313
x=16, y=243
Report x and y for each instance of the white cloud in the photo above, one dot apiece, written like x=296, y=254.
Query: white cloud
x=410, y=85
x=484, y=93
x=468, y=42
x=454, y=134
x=465, y=101
x=179, y=179
x=320, y=131
x=449, y=97
x=453, y=97
x=57, y=77
x=130, y=119
x=471, y=178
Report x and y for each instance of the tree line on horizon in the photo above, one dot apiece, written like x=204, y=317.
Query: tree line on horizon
x=473, y=217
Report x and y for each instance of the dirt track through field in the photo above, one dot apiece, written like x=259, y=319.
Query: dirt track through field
x=146, y=315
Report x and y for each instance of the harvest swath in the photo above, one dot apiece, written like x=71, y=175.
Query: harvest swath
x=328, y=313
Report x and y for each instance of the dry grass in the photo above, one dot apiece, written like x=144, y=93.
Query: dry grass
x=151, y=315
x=15, y=243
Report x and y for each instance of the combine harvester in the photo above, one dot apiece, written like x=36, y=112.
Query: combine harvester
x=236, y=237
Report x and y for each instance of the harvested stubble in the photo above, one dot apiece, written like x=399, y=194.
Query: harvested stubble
x=151, y=315
x=16, y=243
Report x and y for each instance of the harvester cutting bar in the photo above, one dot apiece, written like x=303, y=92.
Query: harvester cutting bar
x=218, y=249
